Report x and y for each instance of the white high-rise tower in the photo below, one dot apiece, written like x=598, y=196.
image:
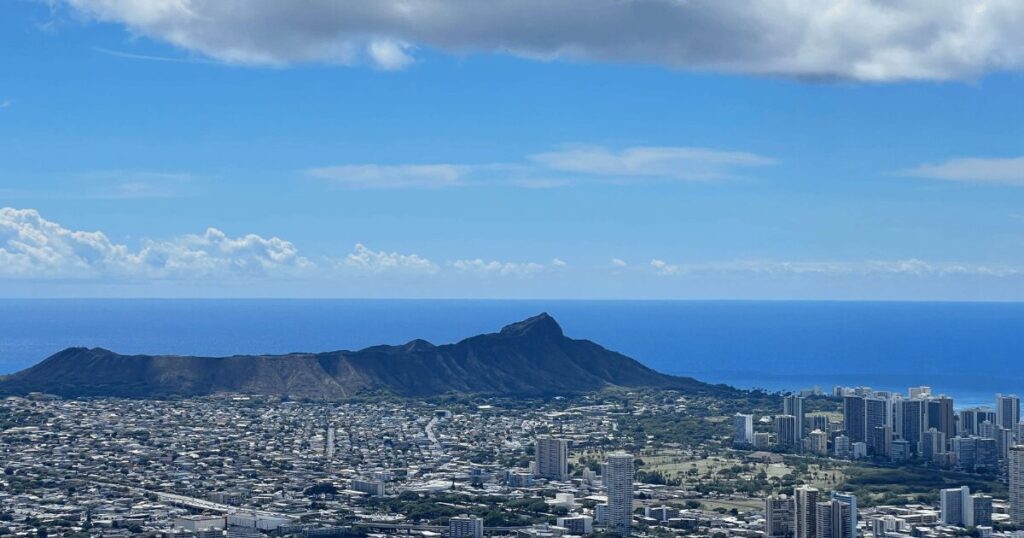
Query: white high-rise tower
x=619, y=470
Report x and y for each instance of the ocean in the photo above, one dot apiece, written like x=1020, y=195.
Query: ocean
x=967, y=350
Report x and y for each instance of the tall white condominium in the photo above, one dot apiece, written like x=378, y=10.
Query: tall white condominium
x=794, y=405
x=330, y=442
x=1007, y=411
x=552, y=458
x=923, y=391
x=805, y=502
x=1016, y=472
x=743, y=429
x=833, y=520
x=465, y=527
x=957, y=506
x=620, y=493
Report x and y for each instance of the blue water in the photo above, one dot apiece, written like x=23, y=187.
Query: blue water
x=968, y=350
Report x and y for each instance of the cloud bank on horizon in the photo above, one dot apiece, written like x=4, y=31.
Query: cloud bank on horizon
x=33, y=248
x=859, y=40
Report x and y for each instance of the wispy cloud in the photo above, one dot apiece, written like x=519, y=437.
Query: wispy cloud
x=6, y=103
x=647, y=162
x=379, y=176
x=907, y=267
x=1005, y=171
x=153, y=58
x=552, y=169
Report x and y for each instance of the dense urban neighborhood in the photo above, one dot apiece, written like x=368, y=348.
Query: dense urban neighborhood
x=644, y=462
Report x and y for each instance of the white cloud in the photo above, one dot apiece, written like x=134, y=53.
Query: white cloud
x=1008, y=171
x=857, y=39
x=390, y=55
x=558, y=263
x=494, y=267
x=367, y=260
x=153, y=58
x=33, y=247
x=374, y=176
x=617, y=263
x=662, y=267
x=550, y=169
x=685, y=163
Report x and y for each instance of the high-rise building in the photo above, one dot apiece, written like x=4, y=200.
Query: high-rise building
x=1016, y=490
x=805, y=515
x=910, y=420
x=1007, y=411
x=971, y=418
x=619, y=470
x=743, y=429
x=933, y=446
x=957, y=506
x=817, y=442
x=965, y=450
x=854, y=418
x=841, y=447
x=785, y=430
x=465, y=527
x=876, y=413
x=940, y=415
x=552, y=458
x=881, y=441
x=794, y=405
x=921, y=392
x=330, y=442
x=982, y=508
x=832, y=520
x=851, y=500
x=778, y=517
x=818, y=421
x=986, y=454
x=1004, y=440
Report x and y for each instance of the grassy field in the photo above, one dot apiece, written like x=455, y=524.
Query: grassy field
x=693, y=469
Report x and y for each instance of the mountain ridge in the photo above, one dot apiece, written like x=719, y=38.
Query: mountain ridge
x=529, y=357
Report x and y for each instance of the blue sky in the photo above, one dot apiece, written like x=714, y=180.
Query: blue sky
x=422, y=165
